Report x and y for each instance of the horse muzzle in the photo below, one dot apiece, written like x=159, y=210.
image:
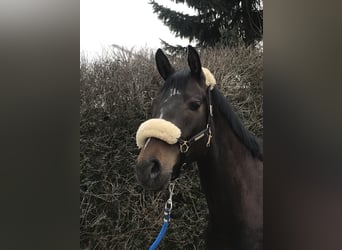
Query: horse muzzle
x=151, y=175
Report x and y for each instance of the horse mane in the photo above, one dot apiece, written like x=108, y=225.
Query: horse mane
x=248, y=139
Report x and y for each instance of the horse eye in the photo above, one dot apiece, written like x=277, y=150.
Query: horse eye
x=194, y=105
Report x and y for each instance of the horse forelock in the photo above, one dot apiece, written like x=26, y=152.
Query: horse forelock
x=177, y=82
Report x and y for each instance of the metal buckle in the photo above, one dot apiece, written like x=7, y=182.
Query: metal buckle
x=209, y=137
x=184, y=147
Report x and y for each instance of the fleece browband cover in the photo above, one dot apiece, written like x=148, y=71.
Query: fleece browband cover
x=209, y=78
x=157, y=128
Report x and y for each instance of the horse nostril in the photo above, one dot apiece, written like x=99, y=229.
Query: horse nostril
x=155, y=169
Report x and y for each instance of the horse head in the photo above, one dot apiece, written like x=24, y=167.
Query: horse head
x=179, y=131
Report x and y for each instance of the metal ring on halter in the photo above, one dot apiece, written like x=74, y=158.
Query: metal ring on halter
x=184, y=146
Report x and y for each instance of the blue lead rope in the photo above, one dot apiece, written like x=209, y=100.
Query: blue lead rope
x=160, y=235
x=167, y=217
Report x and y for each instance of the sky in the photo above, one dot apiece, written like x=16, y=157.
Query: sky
x=129, y=23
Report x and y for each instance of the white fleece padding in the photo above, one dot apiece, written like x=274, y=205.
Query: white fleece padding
x=209, y=78
x=157, y=128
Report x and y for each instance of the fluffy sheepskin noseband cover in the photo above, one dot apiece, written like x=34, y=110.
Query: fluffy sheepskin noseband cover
x=157, y=128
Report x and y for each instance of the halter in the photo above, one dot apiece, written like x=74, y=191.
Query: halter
x=170, y=133
x=184, y=145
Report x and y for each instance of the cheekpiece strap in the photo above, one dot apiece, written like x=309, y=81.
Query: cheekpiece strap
x=184, y=145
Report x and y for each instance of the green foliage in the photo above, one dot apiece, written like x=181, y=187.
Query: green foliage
x=115, y=97
x=217, y=21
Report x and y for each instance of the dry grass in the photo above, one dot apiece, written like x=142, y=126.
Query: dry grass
x=116, y=92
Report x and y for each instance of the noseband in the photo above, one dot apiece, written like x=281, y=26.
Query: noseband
x=184, y=145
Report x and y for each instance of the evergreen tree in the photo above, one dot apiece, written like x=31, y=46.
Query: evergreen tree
x=224, y=22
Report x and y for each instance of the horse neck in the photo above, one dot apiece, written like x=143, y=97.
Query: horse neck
x=227, y=173
x=218, y=169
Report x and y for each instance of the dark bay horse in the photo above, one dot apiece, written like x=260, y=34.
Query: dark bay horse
x=195, y=123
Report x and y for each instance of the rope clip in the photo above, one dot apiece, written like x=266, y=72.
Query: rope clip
x=168, y=204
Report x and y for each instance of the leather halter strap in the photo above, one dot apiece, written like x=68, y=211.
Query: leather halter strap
x=184, y=145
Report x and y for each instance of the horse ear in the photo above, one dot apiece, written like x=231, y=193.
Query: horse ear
x=163, y=65
x=194, y=62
